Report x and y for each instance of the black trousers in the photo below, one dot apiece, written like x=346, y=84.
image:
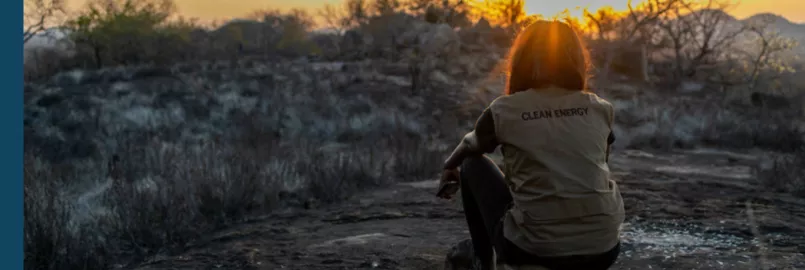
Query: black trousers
x=486, y=199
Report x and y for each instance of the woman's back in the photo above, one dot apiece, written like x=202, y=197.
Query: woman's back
x=555, y=200
x=554, y=143
x=555, y=134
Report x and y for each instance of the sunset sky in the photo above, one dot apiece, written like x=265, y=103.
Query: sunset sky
x=794, y=10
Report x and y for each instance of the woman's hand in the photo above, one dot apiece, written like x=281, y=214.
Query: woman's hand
x=449, y=183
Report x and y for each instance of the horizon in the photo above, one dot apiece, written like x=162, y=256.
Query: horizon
x=214, y=10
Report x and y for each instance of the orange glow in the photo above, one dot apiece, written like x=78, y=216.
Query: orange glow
x=208, y=10
x=793, y=10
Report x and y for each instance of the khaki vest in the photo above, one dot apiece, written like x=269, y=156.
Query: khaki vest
x=554, y=145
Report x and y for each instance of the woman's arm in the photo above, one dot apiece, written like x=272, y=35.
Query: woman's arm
x=610, y=140
x=481, y=140
x=611, y=137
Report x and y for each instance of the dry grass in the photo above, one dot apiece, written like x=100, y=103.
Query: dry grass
x=684, y=122
x=159, y=197
x=649, y=121
x=170, y=162
x=784, y=173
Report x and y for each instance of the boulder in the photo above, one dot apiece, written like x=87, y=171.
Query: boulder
x=461, y=256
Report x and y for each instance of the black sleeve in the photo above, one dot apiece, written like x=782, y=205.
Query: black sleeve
x=481, y=140
x=485, y=133
x=611, y=138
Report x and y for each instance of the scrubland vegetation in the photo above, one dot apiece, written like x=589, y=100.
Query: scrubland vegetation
x=145, y=131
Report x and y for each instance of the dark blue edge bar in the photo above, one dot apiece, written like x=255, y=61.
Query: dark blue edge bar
x=11, y=136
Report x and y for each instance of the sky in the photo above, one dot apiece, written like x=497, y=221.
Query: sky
x=208, y=10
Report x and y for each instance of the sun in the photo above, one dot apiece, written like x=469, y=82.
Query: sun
x=555, y=7
x=573, y=8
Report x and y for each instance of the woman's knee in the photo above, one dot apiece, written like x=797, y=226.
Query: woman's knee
x=478, y=165
x=473, y=161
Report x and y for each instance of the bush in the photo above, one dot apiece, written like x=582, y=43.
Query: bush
x=785, y=173
x=684, y=122
x=128, y=32
x=170, y=162
x=293, y=29
x=159, y=197
x=122, y=32
x=41, y=63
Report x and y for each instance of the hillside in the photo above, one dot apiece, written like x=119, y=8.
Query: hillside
x=786, y=28
x=780, y=23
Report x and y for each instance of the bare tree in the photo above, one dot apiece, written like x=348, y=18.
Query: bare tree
x=38, y=15
x=354, y=13
x=635, y=29
x=452, y=12
x=512, y=11
x=602, y=23
x=700, y=34
x=386, y=7
x=358, y=12
x=769, y=45
x=278, y=31
x=351, y=14
x=334, y=18
x=640, y=19
x=122, y=32
x=759, y=61
x=506, y=13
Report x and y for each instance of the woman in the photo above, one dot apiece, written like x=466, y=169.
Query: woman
x=555, y=205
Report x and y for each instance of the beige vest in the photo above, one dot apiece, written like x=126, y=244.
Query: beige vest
x=554, y=145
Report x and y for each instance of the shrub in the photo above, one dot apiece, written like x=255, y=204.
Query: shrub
x=120, y=32
x=784, y=173
x=171, y=162
x=681, y=122
x=159, y=197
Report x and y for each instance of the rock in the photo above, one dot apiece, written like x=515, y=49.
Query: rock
x=460, y=257
x=355, y=240
x=440, y=77
x=67, y=78
x=690, y=87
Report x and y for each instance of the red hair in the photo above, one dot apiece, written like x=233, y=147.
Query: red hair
x=547, y=53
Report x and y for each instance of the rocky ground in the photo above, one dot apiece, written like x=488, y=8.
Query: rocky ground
x=690, y=209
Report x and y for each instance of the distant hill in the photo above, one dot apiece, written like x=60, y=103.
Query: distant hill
x=782, y=24
x=785, y=27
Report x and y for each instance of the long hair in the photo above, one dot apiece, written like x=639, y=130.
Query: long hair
x=547, y=53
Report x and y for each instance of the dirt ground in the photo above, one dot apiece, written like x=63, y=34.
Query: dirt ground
x=686, y=210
